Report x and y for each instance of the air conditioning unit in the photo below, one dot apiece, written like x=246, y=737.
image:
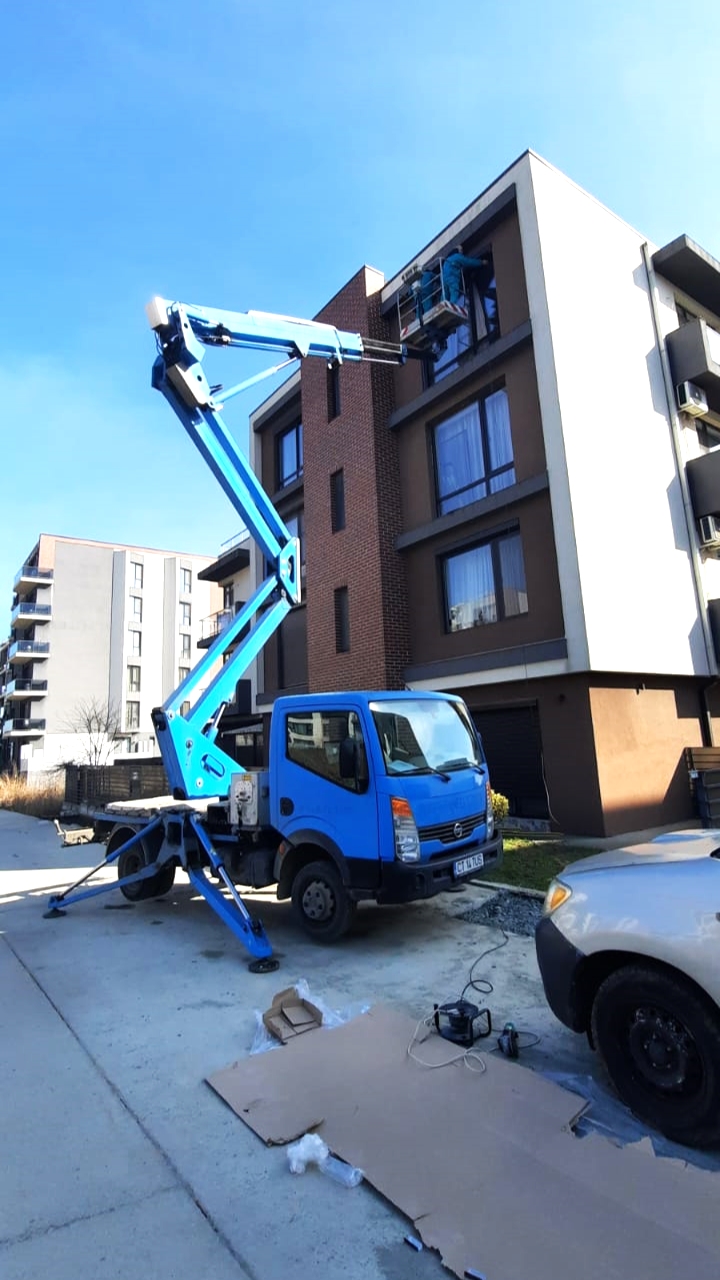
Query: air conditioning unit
x=710, y=532
x=691, y=399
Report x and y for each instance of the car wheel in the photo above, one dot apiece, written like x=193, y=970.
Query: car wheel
x=321, y=902
x=660, y=1043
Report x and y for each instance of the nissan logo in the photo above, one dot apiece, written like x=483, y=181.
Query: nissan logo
x=457, y=830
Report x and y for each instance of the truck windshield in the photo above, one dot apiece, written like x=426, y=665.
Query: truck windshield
x=422, y=735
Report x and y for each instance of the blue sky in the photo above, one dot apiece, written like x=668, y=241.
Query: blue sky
x=254, y=155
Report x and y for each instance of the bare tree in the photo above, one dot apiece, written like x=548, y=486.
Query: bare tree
x=99, y=724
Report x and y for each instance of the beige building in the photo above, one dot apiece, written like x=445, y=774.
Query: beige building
x=97, y=627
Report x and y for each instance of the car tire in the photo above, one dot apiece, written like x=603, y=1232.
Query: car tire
x=137, y=857
x=659, y=1040
x=321, y=902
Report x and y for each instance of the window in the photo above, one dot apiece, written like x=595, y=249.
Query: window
x=136, y=643
x=296, y=528
x=290, y=455
x=228, y=595
x=342, y=620
x=136, y=608
x=473, y=453
x=132, y=715
x=480, y=298
x=136, y=574
x=186, y=581
x=182, y=673
x=185, y=646
x=316, y=739
x=185, y=709
x=185, y=615
x=485, y=583
x=337, y=501
x=133, y=683
x=333, y=391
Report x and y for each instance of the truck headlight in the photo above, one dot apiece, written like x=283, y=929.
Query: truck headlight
x=407, y=840
x=557, y=894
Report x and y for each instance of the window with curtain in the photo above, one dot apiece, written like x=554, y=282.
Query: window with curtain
x=473, y=453
x=485, y=584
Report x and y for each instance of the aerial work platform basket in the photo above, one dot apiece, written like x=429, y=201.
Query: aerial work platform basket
x=428, y=307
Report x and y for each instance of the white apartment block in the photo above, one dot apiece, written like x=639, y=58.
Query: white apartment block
x=96, y=625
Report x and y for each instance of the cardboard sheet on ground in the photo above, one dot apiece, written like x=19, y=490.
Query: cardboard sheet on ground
x=485, y=1165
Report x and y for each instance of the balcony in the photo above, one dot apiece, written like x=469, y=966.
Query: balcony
x=26, y=689
x=694, y=351
x=23, y=728
x=27, y=614
x=28, y=651
x=211, y=627
x=32, y=576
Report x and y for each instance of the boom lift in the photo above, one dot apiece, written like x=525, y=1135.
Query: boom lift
x=234, y=822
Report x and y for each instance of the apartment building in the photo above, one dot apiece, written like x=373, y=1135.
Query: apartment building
x=527, y=515
x=100, y=633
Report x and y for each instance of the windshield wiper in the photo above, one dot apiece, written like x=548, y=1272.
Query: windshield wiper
x=462, y=763
x=429, y=768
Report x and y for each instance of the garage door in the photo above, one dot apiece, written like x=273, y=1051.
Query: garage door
x=511, y=738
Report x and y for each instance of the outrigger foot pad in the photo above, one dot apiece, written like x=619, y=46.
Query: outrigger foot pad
x=267, y=965
x=53, y=913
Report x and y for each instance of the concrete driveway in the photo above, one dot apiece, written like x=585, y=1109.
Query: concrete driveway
x=118, y=1160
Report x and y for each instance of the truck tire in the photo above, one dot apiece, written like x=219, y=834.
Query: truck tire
x=321, y=902
x=134, y=859
x=660, y=1043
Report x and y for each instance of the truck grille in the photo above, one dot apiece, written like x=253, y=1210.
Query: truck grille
x=446, y=833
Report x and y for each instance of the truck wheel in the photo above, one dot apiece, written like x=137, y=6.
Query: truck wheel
x=133, y=860
x=660, y=1044
x=321, y=902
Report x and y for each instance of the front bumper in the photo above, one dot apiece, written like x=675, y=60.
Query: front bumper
x=559, y=962
x=409, y=881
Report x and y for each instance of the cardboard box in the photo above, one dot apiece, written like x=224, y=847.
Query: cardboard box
x=289, y=1016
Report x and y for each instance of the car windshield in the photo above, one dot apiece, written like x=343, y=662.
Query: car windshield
x=419, y=735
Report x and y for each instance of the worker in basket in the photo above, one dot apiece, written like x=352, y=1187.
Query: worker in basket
x=452, y=272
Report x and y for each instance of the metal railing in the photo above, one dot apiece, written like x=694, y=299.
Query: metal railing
x=29, y=647
x=215, y=623
x=26, y=686
x=23, y=726
x=32, y=609
x=32, y=571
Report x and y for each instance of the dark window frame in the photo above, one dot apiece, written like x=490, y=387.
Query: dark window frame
x=287, y=478
x=489, y=474
x=337, y=500
x=133, y=685
x=334, y=402
x=341, y=606
x=493, y=541
x=132, y=721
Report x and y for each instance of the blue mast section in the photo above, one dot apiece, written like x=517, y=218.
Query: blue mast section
x=195, y=765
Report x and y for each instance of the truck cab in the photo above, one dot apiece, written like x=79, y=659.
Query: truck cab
x=375, y=795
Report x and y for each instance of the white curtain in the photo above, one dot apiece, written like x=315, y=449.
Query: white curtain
x=512, y=568
x=458, y=448
x=470, y=589
x=497, y=415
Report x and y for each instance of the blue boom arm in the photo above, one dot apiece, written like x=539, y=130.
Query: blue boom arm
x=195, y=765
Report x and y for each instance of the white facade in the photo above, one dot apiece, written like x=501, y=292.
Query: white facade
x=109, y=629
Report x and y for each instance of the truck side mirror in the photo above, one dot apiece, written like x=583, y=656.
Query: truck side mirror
x=352, y=763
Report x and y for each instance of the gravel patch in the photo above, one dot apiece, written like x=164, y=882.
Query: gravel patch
x=512, y=911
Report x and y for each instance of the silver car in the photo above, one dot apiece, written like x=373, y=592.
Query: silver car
x=629, y=952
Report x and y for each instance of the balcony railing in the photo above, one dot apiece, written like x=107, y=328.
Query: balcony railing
x=33, y=573
x=26, y=650
x=26, y=688
x=217, y=622
x=23, y=727
x=30, y=611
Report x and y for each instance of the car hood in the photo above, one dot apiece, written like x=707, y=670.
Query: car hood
x=676, y=846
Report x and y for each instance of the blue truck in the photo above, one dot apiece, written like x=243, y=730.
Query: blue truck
x=372, y=795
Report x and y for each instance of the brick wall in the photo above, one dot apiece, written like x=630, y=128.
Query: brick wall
x=361, y=556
